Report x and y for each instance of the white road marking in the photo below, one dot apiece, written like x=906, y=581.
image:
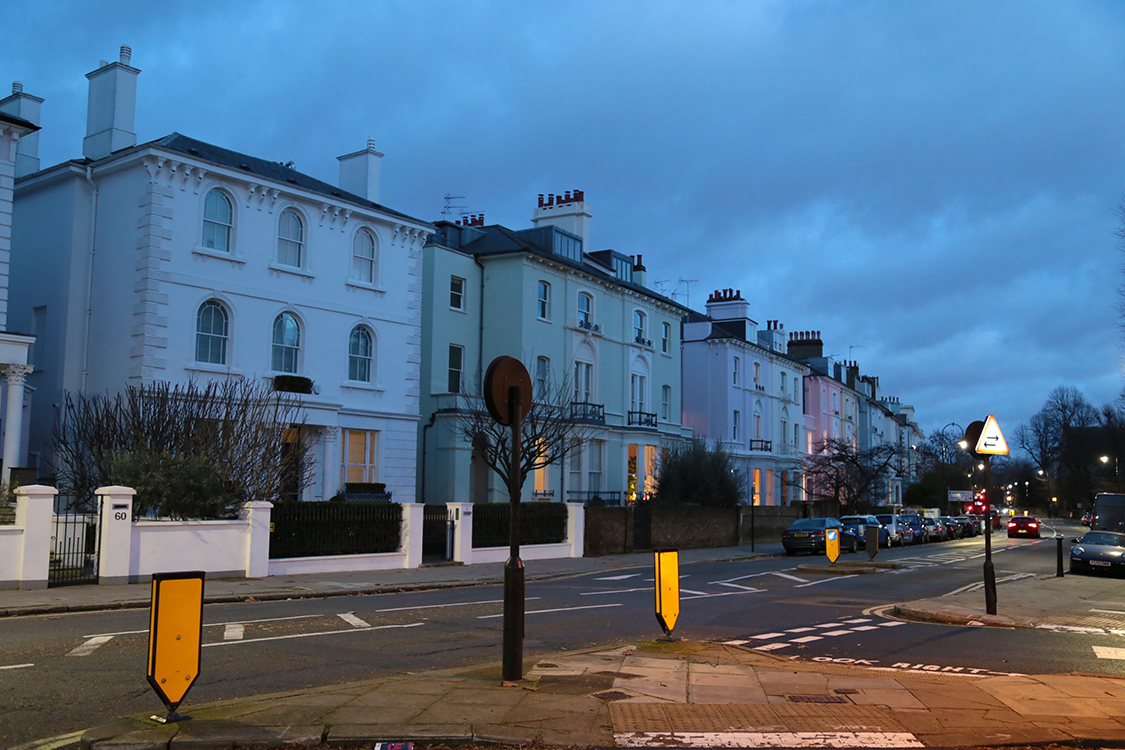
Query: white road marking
x=234, y=631
x=313, y=635
x=352, y=620
x=807, y=639
x=865, y=627
x=1106, y=652
x=1109, y=611
x=724, y=593
x=767, y=636
x=740, y=586
x=857, y=621
x=786, y=575
x=831, y=625
x=560, y=609
x=456, y=604
x=615, y=591
x=824, y=580
x=618, y=578
x=799, y=630
x=17, y=666
x=771, y=646
x=91, y=645
x=695, y=593
x=892, y=624
x=767, y=739
x=837, y=632
x=211, y=625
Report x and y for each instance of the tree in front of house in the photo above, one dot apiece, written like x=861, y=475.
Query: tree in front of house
x=189, y=451
x=853, y=479
x=697, y=473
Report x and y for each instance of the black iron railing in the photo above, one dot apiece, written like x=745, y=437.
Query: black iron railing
x=319, y=529
x=642, y=418
x=594, y=498
x=761, y=445
x=584, y=411
x=540, y=523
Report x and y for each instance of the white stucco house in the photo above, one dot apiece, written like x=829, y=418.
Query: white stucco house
x=176, y=259
x=569, y=313
x=743, y=389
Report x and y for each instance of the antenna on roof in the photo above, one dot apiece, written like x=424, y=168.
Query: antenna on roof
x=662, y=287
x=687, y=294
x=451, y=209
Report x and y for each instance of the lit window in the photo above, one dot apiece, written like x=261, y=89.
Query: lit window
x=456, y=367
x=286, y=343
x=585, y=309
x=218, y=219
x=290, y=239
x=360, y=456
x=665, y=337
x=211, y=326
x=544, y=302
x=361, y=355
x=364, y=257
x=456, y=293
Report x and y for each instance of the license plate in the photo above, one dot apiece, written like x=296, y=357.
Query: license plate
x=1100, y=562
x=807, y=535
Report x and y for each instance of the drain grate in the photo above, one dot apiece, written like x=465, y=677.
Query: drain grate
x=817, y=699
x=845, y=691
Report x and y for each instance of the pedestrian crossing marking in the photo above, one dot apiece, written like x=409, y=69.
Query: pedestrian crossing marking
x=808, y=639
x=354, y=621
x=234, y=631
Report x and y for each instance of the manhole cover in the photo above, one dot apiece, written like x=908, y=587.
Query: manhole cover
x=817, y=699
x=612, y=695
x=845, y=691
x=546, y=665
x=618, y=675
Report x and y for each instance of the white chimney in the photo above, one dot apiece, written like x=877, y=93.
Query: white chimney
x=568, y=212
x=640, y=276
x=112, y=108
x=25, y=107
x=360, y=172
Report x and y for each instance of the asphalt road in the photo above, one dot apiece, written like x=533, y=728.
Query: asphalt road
x=85, y=669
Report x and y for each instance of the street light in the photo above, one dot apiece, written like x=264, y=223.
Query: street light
x=962, y=444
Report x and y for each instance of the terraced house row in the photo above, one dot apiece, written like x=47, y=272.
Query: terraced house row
x=175, y=260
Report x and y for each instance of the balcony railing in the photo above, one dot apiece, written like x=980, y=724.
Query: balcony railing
x=761, y=445
x=584, y=411
x=589, y=326
x=642, y=419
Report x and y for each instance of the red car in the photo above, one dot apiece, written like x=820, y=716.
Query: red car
x=1023, y=526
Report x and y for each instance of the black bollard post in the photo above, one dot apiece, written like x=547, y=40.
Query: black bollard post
x=512, y=669
x=1059, y=572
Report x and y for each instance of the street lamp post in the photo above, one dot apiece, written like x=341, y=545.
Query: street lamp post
x=1116, y=472
x=944, y=473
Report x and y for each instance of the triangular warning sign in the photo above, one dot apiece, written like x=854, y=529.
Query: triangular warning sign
x=991, y=440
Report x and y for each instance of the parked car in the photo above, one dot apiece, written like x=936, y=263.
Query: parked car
x=972, y=523
x=808, y=535
x=913, y=521
x=956, y=530
x=935, y=530
x=897, y=533
x=857, y=526
x=1098, y=551
x=1023, y=526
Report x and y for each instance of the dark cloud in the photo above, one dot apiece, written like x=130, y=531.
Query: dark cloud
x=932, y=185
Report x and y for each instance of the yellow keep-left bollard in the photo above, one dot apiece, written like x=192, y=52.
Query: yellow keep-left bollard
x=832, y=544
x=175, y=638
x=667, y=588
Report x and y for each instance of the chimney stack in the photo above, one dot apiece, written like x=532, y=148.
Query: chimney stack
x=25, y=107
x=640, y=276
x=112, y=107
x=805, y=345
x=567, y=211
x=360, y=172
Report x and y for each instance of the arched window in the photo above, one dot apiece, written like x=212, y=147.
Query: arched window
x=290, y=239
x=211, y=331
x=361, y=355
x=585, y=310
x=639, y=326
x=218, y=220
x=286, y=343
x=365, y=259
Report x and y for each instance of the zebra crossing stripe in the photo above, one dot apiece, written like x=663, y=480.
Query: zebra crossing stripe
x=354, y=621
x=771, y=646
x=808, y=639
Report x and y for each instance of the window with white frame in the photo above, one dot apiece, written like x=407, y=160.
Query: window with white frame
x=290, y=239
x=456, y=293
x=637, y=386
x=365, y=257
x=784, y=381
x=286, y=343
x=735, y=435
x=594, y=466
x=542, y=373
x=666, y=403
x=361, y=355
x=583, y=382
x=735, y=371
x=574, y=480
x=585, y=310
x=543, y=302
x=218, y=221
x=456, y=367
x=665, y=337
x=211, y=333
x=359, y=456
x=757, y=373
x=639, y=326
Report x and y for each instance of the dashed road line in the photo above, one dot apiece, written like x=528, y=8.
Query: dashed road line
x=824, y=580
x=312, y=635
x=558, y=609
x=618, y=578
x=354, y=621
x=91, y=645
x=234, y=631
x=16, y=666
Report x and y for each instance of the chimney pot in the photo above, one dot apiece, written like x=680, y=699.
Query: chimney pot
x=370, y=143
x=17, y=87
x=126, y=54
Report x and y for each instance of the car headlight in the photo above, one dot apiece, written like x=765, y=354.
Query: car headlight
x=1076, y=551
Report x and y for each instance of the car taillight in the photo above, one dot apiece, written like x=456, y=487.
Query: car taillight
x=818, y=533
x=1033, y=525
x=1011, y=524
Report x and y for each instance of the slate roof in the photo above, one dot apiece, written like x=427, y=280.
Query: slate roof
x=12, y=119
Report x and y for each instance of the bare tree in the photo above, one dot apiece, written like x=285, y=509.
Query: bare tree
x=840, y=472
x=189, y=451
x=548, y=433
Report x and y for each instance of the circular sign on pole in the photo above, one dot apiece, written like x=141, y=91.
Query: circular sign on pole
x=502, y=374
x=832, y=544
x=972, y=437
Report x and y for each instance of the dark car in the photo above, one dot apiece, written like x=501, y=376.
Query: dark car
x=857, y=527
x=913, y=521
x=1098, y=551
x=1023, y=526
x=808, y=535
x=972, y=524
x=936, y=531
x=956, y=530
x=1088, y=518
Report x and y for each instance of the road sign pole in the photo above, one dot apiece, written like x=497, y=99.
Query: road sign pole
x=989, y=570
x=513, y=570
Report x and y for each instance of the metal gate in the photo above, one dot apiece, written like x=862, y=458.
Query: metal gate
x=74, y=546
x=437, y=533
x=642, y=526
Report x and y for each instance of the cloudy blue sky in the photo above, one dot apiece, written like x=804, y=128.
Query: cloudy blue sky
x=933, y=186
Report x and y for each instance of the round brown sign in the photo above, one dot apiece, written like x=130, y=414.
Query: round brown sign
x=502, y=374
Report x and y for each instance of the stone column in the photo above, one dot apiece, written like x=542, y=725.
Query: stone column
x=412, y=520
x=13, y=416
x=576, y=528
x=462, y=514
x=257, y=515
x=35, y=506
x=115, y=534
